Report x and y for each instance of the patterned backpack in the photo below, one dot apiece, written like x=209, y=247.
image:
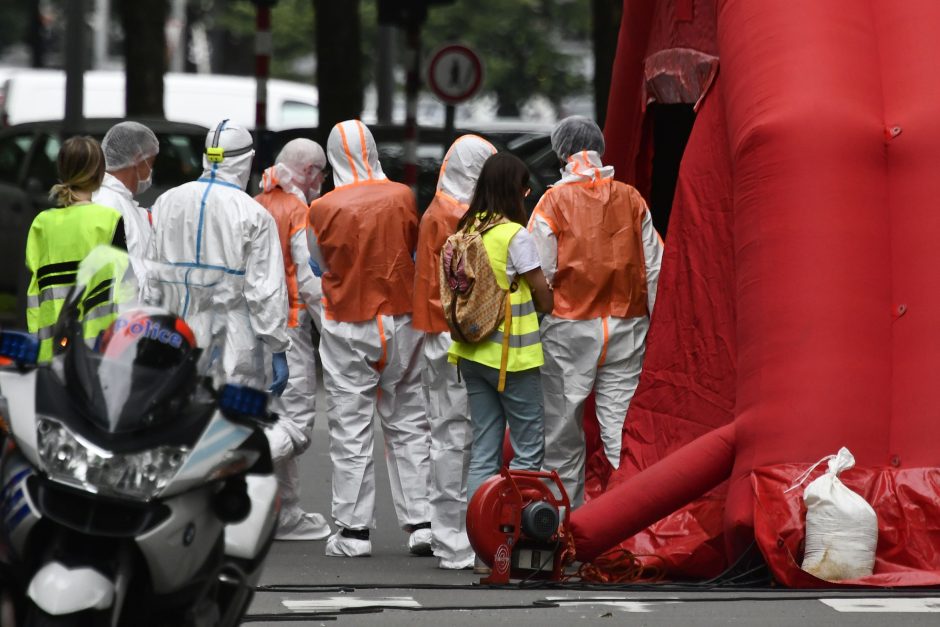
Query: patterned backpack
x=474, y=303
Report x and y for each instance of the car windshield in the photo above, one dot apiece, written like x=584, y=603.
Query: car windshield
x=134, y=340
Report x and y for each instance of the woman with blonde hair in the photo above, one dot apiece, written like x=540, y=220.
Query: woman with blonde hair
x=61, y=237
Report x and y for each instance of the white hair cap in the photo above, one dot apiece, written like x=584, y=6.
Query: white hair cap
x=298, y=153
x=126, y=144
x=576, y=133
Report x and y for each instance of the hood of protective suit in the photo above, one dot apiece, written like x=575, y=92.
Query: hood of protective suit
x=461, y=167
x=235, y=164
x=585, y=166
x=352, y=153
x=279, y=175
x=305, y=160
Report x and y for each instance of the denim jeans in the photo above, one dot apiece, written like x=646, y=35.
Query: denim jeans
x=520, y=404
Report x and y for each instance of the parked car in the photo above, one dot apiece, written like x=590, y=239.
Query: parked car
x=28, y=170
x=528, y=142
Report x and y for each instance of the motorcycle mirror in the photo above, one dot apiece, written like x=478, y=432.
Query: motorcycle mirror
x=244, y=404
x=20, y=347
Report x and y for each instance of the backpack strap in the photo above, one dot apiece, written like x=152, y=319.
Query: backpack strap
x=507, y=330
x=456, y=327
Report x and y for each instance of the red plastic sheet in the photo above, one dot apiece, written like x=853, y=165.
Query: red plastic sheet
x=687, y=544
x=649, y=27
x=908, y=552
x=830, y=135
x=679, y=75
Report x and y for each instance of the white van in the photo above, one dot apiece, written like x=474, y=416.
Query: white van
x=28, y=95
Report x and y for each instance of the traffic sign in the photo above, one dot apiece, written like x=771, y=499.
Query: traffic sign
x=455, y=73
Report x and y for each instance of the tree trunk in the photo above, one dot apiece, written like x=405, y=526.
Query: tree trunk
x=144, y=55
x=606, y=27
x=339, y=61
x=35, y=35
x=232, y=53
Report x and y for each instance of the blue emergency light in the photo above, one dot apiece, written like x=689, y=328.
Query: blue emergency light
x=241, y=401
x=19, y=346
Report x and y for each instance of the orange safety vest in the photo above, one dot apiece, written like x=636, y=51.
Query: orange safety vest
x=367, y=233
x=290, y=215
x=437, y=224
x=601, y=265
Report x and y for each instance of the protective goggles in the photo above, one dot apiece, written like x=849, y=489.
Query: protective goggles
x=216, y=154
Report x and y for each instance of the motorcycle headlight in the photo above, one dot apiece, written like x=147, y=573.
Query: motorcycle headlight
x=140, y=475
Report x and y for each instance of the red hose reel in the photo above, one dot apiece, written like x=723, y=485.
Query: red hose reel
x=513, y=522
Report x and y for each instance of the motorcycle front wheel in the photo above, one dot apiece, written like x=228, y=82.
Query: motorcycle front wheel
x=35, y=617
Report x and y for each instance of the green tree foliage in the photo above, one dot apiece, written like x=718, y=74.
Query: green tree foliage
x=521, y=43
x=292, y=31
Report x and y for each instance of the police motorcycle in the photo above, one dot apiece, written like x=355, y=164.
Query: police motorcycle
x=137, y=485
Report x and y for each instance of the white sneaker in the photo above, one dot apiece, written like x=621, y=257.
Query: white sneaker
x=309, y=526
x=419, y=542
x=339, y=545
x=455, y=564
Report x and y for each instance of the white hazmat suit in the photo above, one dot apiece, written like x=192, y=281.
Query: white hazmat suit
x=286, y=186
x=444, y=392
x=362, y=237
x=212, y=223
x=602, y=256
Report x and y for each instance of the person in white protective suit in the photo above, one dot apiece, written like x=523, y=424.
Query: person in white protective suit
x=601, y=254
x=130, y=149
x=287, y=187
x=212, y=224
x=444, y=393
x=362, y=237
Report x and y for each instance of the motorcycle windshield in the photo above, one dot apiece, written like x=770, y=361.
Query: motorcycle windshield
x=120, y=393
x=136, y=338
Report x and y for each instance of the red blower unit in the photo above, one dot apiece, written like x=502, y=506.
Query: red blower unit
x=513, y=525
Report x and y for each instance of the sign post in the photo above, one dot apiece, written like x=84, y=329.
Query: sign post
x=455, y=74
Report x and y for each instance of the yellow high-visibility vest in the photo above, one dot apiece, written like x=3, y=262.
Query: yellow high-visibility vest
x=58, y=240
x=525, y=348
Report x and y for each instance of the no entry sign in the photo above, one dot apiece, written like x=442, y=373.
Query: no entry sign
x=455, y=73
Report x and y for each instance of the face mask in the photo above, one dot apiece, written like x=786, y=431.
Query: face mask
x=314, y=187
x=144, y=184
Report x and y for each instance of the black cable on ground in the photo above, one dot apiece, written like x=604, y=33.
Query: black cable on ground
x=579, y=586
x=286, y=618
x=748, y=573
x=378, y=608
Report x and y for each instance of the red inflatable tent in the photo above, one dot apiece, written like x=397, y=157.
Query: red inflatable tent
x=799, y=301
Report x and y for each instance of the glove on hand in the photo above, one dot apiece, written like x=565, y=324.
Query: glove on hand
x=281, y=372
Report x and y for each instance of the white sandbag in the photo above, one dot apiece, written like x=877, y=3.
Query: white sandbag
x=841, y=527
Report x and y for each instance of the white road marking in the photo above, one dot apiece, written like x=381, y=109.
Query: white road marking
x=619, y=603
x=334, y=604
x=896, y=604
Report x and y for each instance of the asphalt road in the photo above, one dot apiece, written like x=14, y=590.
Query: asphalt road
x=300, y=585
